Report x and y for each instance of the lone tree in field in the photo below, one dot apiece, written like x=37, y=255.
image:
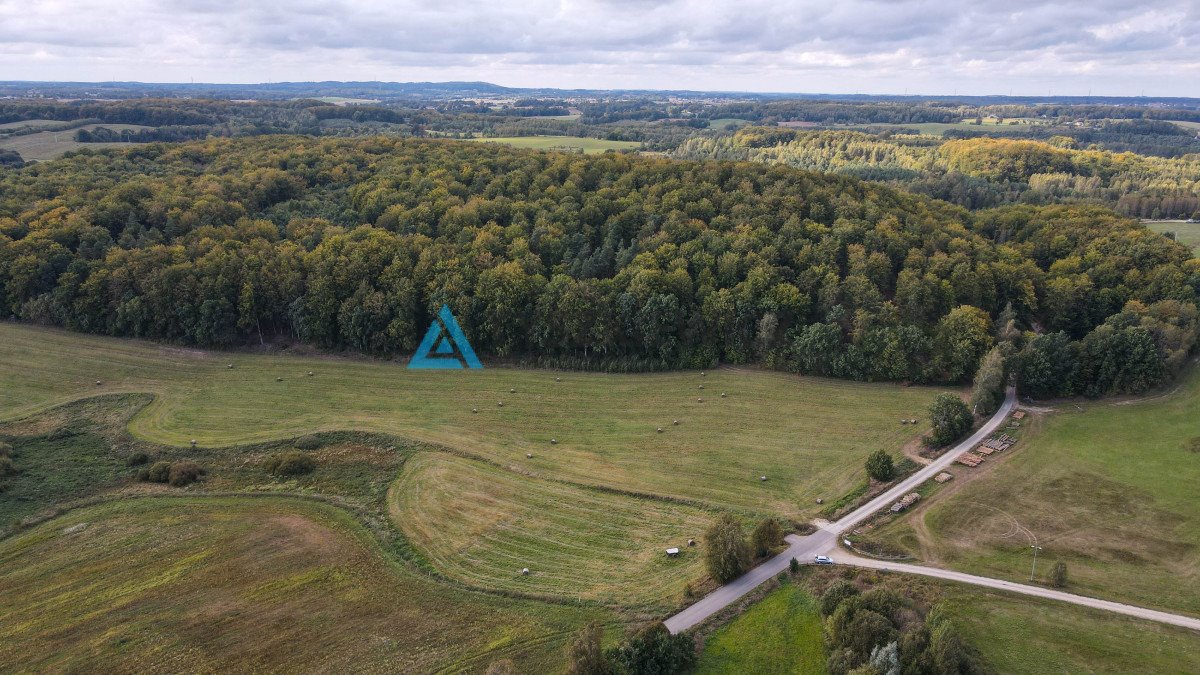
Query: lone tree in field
x=1058, y=574
x=880, y=466
x=727, y=553
x=767, y=535
x=951, y=419
x=585, y=655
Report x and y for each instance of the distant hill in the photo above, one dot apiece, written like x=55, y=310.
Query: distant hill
x=449, y=90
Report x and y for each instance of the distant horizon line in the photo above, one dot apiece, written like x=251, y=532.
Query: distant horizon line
x=469, y=83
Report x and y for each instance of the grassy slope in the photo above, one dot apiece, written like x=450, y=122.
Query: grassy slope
x=808, y=435
x=1110, y=490
x=219, y=584
x=472, y=521
x=482, y=524
x=1185, y=233
x=588, y=145
x=1017, y=635
x=782, y=633
x=46, y=145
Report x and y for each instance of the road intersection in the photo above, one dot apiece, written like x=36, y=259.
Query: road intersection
x=825, y=542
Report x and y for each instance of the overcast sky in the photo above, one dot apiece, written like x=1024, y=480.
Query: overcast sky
x=1064, y=47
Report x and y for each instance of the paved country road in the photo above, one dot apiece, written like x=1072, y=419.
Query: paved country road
x=1025, y=589
x=824, y=542
x=825, y=538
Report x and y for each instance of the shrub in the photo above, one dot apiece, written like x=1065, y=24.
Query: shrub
x=1058, y=574
x=880, y=466
x=794, y=566
x=726, y=552
x=184, y=473
x=177, y=474
x=951, y=419
x=290, y=463
x=6, y=449
x=137, y=459
x=159, y=472
x=835, y=594
x=654, y=650
x=308, y=442
x=766, y=536
x=7, y=466
x=585, y=655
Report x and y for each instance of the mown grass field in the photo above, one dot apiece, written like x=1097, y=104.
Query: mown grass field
x=46, y=145
x=809, y=436
x=725, y=123
x=9, y=127
x=1187, y=234
x=1024, y=636
x=782, y=633
x=991, y=125
x=219, y=584
x=587, y=145
x=482, y=524
x=1110, y=490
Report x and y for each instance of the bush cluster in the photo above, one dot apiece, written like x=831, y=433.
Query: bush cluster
x=881, y=631
x=290, y=463
x=137, y=459
x=308, y=442
x=176, y=474
x=649, y=650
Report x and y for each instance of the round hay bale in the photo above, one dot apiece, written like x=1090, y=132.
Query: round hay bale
x=279, y=379
x=675, y=423
x=820, y=501
x=474, y=410
x=524, y=571
x=97, y=383
x=310, y=373
x=529, y=455
x=699, y=400
x=193, y=442
x=702, y=374
x=553, y=441
x=722, y=394
x=229, y=366
x=500, y=404
x=512, y=390
x=558, y=379
x=762, y=478
x=691, y=542
x=701, y=387
x=660, y=430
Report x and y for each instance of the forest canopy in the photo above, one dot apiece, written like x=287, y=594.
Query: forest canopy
x=976, y=172
x=608, y=261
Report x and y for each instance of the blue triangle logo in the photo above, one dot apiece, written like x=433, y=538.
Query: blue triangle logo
x=441, y=341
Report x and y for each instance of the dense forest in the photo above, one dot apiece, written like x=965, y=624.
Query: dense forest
x=612, y=261
x=976, y=172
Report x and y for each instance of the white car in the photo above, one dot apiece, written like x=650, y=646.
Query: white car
x=824, y=560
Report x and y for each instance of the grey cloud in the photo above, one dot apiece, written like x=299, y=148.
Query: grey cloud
x=635, y=43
